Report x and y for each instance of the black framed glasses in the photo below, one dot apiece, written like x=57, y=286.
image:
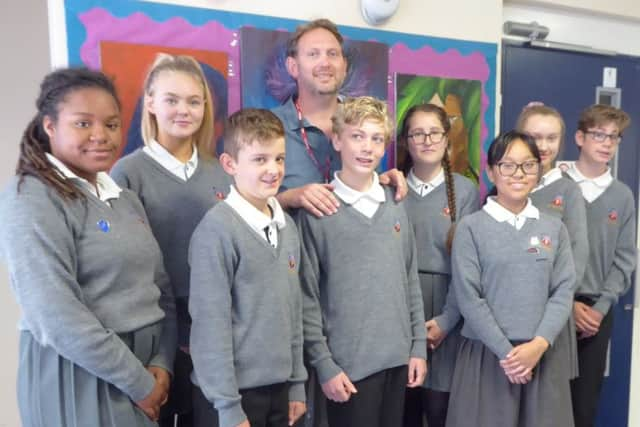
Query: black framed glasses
x=419, y=137
x=530, y=167
x=602, y=137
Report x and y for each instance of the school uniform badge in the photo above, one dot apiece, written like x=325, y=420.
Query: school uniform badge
x=219, y=194
x=292, y=262
x=612, y=216
x=396, y=226
x=446, y=211
x=546, y=242
x=534, y=243
x=557, y=202
x=104, y=225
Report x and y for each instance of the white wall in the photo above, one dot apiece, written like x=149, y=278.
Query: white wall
x=457, y=19
x=24, y=44
x=623, y=9
x=577, y=27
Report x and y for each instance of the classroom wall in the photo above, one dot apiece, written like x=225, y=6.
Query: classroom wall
x=625, y=9
x=592, y=29
x=26, y=60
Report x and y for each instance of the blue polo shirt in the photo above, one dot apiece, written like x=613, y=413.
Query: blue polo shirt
x=299, y=167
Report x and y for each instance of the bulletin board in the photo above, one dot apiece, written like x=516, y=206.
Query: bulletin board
x=241, y=55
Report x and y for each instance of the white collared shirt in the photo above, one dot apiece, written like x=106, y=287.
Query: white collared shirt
x=184, y=171
x=423, y=188
x=552, y=176
x=591, y=188
x=105, y=188
x=267, y=227
x=365, y=202
x=502, y=214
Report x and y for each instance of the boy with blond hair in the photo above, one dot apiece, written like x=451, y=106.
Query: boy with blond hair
x=363, y=316
x=245, y=302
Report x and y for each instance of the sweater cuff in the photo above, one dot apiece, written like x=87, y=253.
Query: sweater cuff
x=447, y=322
x=231, y=415
x=603, y=305
x=503, y=350
x=161, y=361
x=297, y=393
x=141, y=387
x=419, y=348
x=327, y=369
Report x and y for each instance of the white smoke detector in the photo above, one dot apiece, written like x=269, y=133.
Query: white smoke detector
x=375, y=12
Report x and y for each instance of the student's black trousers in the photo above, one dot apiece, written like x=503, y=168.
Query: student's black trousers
x=378, y=403
x=592, y=359
x=266, y=406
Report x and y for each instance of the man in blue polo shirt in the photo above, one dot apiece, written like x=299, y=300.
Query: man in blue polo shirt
x=315, y=60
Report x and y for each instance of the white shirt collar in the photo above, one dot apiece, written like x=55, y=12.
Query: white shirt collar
x=168, y=161
x=421, y=187
x=552, y=176
x=350, y=196
x=107, y=188
x=502, y=214
x=252, y=216
x=602, y=181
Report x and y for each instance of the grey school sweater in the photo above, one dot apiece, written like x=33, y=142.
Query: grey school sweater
x=611, y=221
x=174, y=207
x=429, y=216
x=84, y=272
x=563, y=199
x=512, y=285
x=362, y=303
x=246, y=308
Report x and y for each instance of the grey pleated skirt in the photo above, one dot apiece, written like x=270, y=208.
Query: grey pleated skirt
x=54, y=392
x=567, y=349
x=482, y=396
x=441, y=361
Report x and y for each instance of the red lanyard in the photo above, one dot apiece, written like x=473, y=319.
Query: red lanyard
x=303, y=133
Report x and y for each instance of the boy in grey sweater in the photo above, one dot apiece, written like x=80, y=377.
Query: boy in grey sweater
x=245, y=300
x=363, y=316
x=611, y=227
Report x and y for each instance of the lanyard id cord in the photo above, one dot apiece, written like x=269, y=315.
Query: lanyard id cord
x=324, y=172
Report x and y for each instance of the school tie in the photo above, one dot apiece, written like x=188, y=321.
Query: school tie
x=266, y=233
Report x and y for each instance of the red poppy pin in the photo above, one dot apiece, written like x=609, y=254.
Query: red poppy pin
x=397, y=226
x=446, y=211
x=546, y=241
x=219, y=195
x=613, y=216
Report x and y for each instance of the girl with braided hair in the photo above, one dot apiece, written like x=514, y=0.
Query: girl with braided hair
x=98, y=317
x=433, y=209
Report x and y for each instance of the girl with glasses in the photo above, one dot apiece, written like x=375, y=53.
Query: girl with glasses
x=513, y=277
x=437, y=198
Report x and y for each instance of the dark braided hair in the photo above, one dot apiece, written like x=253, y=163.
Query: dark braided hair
x=441, y=114
x=35, y=143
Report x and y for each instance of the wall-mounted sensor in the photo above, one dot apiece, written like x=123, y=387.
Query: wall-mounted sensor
x=375, y=12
